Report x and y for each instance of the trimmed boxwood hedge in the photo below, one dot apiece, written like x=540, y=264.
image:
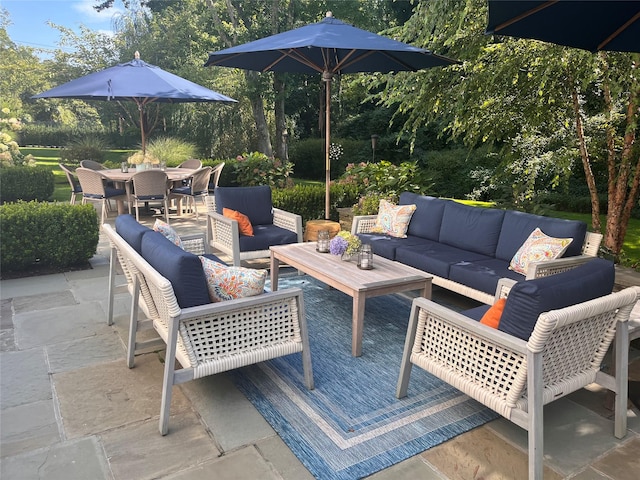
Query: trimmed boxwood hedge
x=26, y=183
x=57, y=235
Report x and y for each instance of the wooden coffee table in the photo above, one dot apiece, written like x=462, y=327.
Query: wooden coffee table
x=386, y=277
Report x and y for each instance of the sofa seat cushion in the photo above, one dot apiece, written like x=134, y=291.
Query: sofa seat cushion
x=528, y=299
x=385, y=245
x=254, y=202
x=517, y=226
x=266, y=235
x=131, y=231
x=472, y=228
x=483, y=274
x=476, y=313
x=427, y=218
x=182, y=269
x=434, y=257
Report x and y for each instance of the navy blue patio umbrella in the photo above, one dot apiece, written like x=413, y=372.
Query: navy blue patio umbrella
x=135, y=81
x=329, y=47
x=590, y=25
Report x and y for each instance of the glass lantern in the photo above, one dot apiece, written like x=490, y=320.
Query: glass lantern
x=365, y=257
x=323, y=241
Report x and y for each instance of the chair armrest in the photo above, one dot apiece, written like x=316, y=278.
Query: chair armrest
x=223, y=234
x=363, y=223
x=288, y=221
x=591, y=245
x=504, y=287
x=195, y=243
x=559, y=265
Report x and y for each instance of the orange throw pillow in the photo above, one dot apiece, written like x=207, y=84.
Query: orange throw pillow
x=492, y=317
x=244, y=224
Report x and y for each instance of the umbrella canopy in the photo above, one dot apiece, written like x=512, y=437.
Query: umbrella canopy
x=330, y=47
x=135, y=81
x=589, y=25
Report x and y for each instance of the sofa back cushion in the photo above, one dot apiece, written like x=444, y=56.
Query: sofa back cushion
x=182, y=269
x=131, y=231
x=471, y=228
x=517, y=226
x=427, y=218
x=528, y=299
x=254, y=202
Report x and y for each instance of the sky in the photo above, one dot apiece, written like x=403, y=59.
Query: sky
x=28, y=19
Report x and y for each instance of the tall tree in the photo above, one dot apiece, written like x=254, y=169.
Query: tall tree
x=548, y=106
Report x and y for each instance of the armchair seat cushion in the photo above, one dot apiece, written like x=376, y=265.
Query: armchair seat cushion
x=131, y=231
x=182, y=269
x=435, y=257
x=266, y=235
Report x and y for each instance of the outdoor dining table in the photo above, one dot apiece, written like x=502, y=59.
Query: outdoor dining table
x=118, y=177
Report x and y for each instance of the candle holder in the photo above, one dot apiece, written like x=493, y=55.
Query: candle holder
x=365, y=257
x=323, y=241
x=124, y=167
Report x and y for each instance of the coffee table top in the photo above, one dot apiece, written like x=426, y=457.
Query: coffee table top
x=331, y=269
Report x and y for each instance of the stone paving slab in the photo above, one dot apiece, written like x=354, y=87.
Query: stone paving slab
x=58, y=325
x=81, y=459
x=25, y=378
x=21, y=287
x=28, y=427
x=109, y=395
x=91, y=289
x=85, y=352
x=44, y=301
x=623, y=463
x=276, y=452
x=139, y=452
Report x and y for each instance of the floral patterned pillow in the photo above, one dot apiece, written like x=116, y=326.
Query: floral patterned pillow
x=538, y=248
x=228, y=282
x=393, y=219
x=168, y=231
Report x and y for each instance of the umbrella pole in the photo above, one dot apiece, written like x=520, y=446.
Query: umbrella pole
x=144, y=142
x=326, y=77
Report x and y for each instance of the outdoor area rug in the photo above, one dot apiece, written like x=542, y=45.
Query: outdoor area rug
x=351, y=425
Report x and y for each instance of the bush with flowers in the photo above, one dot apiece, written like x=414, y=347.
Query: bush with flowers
x=259, y=169
x=139, y=158
x=344, y=243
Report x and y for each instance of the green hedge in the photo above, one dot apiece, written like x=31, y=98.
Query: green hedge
x=308, y=200
x=49, y=235
x=26, y=183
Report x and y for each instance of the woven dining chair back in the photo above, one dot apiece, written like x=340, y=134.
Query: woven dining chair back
x=91, y=164
x=192, y=163
x=197, y=186
x=73, y=182
x=95, y=189
x=150, y=185
x=215, y=176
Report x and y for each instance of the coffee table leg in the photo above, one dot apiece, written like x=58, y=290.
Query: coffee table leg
x=275, y=269
x=426, y=293
x=358, y=321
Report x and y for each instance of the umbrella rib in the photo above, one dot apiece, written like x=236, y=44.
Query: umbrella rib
x=524, y=15
x=296, y=56
x=618, y=31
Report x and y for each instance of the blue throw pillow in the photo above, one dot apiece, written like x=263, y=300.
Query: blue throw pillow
x=254, y=202
x=528, y=299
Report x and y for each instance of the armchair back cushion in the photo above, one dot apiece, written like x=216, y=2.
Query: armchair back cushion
x=472, y=229
x=517, y=226
x=528, y=299
x=254, y=202
x=182, y=269
x=131, y=231
x=427, y=218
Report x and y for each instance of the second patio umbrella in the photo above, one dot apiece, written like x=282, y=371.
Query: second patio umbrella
x=329, y=47
x=136, y=81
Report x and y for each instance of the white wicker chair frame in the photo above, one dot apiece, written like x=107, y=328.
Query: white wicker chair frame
x=92, y=165
x=590, y=247
x=93, y=184
x=192, y=163
x=150, y=185
x=199, y=187
x=221, y=336
x=223, y=233
x=73, y=183
x=564, y=354
x=215, y=175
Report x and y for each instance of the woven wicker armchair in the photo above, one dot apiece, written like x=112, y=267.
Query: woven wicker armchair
x=563, y=354
x=217, y=337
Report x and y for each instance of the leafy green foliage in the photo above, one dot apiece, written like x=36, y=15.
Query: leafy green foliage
x=88, y=147
x=258, y=169
x=309, y=200
x=387, y=179
x=173, y=151
x=49, y=235
x=25, y=183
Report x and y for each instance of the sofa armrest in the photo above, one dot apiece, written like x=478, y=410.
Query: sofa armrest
x=223, y=234
x=591, y=245
x=288, y=221
x=363, y=223
x=559, y=265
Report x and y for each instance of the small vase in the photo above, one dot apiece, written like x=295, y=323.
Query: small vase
x=346, y=256
x=140, y=167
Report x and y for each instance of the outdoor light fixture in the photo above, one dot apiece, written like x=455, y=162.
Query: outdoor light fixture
x=323, y=241
x=285, y=139
x=374, y=143
x=365, y=257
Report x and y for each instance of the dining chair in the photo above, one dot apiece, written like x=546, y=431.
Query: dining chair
x=150, y=185
x=92, y=164
x=192, y=163
x=95, y=189
x=197, y=186
x=73, y=182
x=215, y=176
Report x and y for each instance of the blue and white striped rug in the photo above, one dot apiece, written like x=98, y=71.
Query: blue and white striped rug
x=352, y=425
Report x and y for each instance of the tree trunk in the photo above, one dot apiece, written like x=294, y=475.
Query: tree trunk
x=257, y=107
x=280, y=141
x=584, y=155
